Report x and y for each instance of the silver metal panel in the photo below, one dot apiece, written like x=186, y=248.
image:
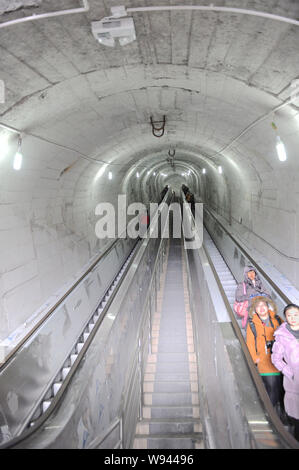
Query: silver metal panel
x=101, y=384
x=26, y=377
x=228, y=395
x=243, y=416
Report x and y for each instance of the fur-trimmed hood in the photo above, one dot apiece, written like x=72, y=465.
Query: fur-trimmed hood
x=255, y=300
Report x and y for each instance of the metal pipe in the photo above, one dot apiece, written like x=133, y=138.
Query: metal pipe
x=241, y=11
x=11, y=129
x=85, y=8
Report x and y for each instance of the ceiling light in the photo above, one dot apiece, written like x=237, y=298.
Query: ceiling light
x=101, y=171
x=109, y=29
x=220, y=169
x=110, y=175
x=281, y=151
x=137, y=174
x=17, y=163
x=204, y=171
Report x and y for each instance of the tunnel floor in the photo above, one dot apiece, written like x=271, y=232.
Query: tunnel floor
x=170, y=399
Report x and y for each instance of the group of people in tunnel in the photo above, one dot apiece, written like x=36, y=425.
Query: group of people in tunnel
x=273, y=344
x=163, y=193
x=189, y=197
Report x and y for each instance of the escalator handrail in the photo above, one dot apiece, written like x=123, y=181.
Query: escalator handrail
x=254, y=263
x=26, y=433
x=65, y=295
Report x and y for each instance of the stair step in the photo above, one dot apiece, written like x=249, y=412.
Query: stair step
x=176, y=357
x=191, y=441
x=173, y=367
x=163, y=412
x=46, y=405
x=170, y=399
x=178, y=387
x=172, y=376
x=182, y=426
x=172, y=347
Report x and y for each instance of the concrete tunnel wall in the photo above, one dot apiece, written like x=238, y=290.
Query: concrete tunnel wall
x=84, y=110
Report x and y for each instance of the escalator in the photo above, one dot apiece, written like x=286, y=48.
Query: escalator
x=160, y=363
x=170, y=411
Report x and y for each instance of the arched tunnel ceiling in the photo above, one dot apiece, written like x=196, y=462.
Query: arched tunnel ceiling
x=211, y=74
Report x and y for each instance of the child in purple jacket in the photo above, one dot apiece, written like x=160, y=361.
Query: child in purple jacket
x=285, y=357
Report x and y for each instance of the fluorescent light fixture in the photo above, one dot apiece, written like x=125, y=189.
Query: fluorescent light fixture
x=281, y=151
x=137, y=174
x=220, y=169
x=109, y=29
x=17, y=164
x=203, y=171
x=110, y=175
x=101, y=171
x=154, y=173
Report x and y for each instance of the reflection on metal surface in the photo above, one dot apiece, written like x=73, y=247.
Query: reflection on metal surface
x=111, y=316
x=82, y=411
x=248, y=414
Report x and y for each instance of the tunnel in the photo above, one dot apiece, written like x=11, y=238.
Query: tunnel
x=102, y=107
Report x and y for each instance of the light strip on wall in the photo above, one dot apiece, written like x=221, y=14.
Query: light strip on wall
x=281, y=151
x=17, y=163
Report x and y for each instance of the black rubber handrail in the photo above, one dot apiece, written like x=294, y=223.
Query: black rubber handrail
x=252, y=261
x=56, y=305
x=27, y=432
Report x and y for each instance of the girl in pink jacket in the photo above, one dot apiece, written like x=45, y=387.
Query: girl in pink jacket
x=285, y=357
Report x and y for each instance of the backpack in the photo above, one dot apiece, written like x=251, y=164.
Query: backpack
x=253, y=329
x=241, y=308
